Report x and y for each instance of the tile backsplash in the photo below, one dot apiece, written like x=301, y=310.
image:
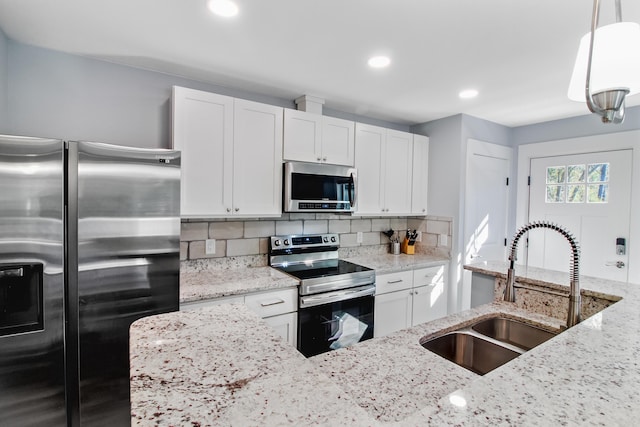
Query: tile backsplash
x=245, y=242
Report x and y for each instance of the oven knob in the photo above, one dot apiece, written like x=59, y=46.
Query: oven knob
x=333, y=239
x=325, y=239
x=286, y=241
x=276, y=242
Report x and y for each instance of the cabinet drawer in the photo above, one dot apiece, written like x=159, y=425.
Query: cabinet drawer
x=272, y=303
x=393, y=282
x=428, y=276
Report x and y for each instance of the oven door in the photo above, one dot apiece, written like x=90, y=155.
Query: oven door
x=335, y=320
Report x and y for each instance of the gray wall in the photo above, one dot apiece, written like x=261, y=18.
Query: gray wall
x=57, y=95
x=574, y=127
x=3, y=81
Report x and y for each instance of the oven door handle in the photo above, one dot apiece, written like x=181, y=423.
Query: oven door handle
x=327, y=298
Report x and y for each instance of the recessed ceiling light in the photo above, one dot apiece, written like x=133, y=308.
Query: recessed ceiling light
x=379, y=61
x=225, y=8
x=468, y=94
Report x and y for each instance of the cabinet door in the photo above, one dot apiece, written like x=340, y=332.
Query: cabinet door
x=257, y=159
x=392, y=312
x=370, y=142
x=302, y=136
x=203, y=131
x=285, y=325
x=421, y=307
x=434, y=282
x=338, y=141
x=420, y=174
x=398, y=175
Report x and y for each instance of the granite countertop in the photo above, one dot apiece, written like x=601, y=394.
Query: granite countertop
x=189, y=367
x=199, y=282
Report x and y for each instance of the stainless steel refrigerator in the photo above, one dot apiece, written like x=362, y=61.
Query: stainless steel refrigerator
x=89, y=243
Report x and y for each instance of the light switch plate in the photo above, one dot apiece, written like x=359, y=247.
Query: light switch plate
x=210, y=247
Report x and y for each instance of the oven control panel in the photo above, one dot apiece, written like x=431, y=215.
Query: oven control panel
x=304, y=241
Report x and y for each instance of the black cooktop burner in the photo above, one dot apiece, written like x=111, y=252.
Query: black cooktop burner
x=323, y=268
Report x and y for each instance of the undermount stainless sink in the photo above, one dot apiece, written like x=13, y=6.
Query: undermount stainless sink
x=487, y=344
x=513, y=332
x=469, y=351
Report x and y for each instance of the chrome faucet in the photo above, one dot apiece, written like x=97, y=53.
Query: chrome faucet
x=574, y=294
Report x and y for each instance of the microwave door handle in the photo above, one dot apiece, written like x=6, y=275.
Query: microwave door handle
x=352, y=192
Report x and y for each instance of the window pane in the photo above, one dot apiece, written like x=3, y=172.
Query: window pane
x=599, y=172
x=575, y=173
x=555, y=193
x=598, y=193
x=575, y=193
x=556, y=174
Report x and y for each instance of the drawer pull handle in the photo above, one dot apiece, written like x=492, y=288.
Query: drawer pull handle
x=395, y=281
x=272, y=302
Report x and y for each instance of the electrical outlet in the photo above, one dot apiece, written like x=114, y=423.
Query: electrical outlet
x=419, y=238
x=210, y=247
x=443, y=240
x=359, y=237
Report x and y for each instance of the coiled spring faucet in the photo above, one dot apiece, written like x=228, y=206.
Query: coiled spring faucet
x=573, y=317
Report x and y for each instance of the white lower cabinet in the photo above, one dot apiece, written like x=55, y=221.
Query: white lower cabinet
x=278, y=308
x=408, y=298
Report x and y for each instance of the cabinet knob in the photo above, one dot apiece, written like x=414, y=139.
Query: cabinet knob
x=319, y=159
x=236, y=209
x=228, y=209
x=424, y=210
x=324, y=159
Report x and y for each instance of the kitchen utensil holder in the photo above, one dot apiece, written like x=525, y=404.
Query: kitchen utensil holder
x=407, y=248
x=395, y=248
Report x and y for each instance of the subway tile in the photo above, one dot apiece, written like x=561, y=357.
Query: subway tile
x=294, y=216
x=193, y=231
x=264, y=245
x=417, y=224
x=315, y=226
x=337, y=226
x=349, y=240
x=196, y=250
x=372, y=238
x=259, y=229
x=380, y=224
x=430, y=240
x=236, y=247
x=327, y=216
x=438, y=227
x=226, y=230
x=360, y=225
x=398, y=223
x=184, y=250
x=288, y=227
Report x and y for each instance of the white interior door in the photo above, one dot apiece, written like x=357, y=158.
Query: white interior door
x=486, y=205
x=590, y=195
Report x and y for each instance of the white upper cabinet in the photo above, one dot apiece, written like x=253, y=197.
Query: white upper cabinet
x=203, y=132
x=315, y=138
x=420, y=174
x=257, y=159
x=384, y=163
x=231, y=155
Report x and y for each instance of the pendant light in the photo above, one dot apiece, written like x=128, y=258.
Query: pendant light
x=607, y=67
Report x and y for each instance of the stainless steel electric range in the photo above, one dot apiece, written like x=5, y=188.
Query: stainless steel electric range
x=336, y=301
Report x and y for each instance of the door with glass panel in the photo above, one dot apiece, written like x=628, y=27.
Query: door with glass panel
x=589, y=194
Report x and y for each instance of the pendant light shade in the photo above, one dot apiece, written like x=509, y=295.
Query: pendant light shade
x=607, y=67
x=615, y=63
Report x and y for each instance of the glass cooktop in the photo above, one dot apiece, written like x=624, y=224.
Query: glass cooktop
x=323, y=268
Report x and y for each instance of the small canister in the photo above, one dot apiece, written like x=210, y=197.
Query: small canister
x=395, y=248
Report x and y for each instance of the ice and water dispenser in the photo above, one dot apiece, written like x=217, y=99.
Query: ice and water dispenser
x=21, y=299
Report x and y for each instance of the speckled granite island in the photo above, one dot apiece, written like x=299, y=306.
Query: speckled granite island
x=223, y=366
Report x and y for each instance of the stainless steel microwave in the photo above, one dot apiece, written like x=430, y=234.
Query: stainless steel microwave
x=310, y=187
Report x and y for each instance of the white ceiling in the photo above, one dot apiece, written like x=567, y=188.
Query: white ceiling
x=518, y=53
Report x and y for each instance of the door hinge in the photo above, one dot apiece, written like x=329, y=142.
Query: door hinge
x=529, y=180
x=507, y=181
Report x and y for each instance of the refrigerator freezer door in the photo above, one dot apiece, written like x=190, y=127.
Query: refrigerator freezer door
x=32, y=379
x=128, y=205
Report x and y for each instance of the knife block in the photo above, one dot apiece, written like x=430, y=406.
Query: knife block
x=406, y=248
